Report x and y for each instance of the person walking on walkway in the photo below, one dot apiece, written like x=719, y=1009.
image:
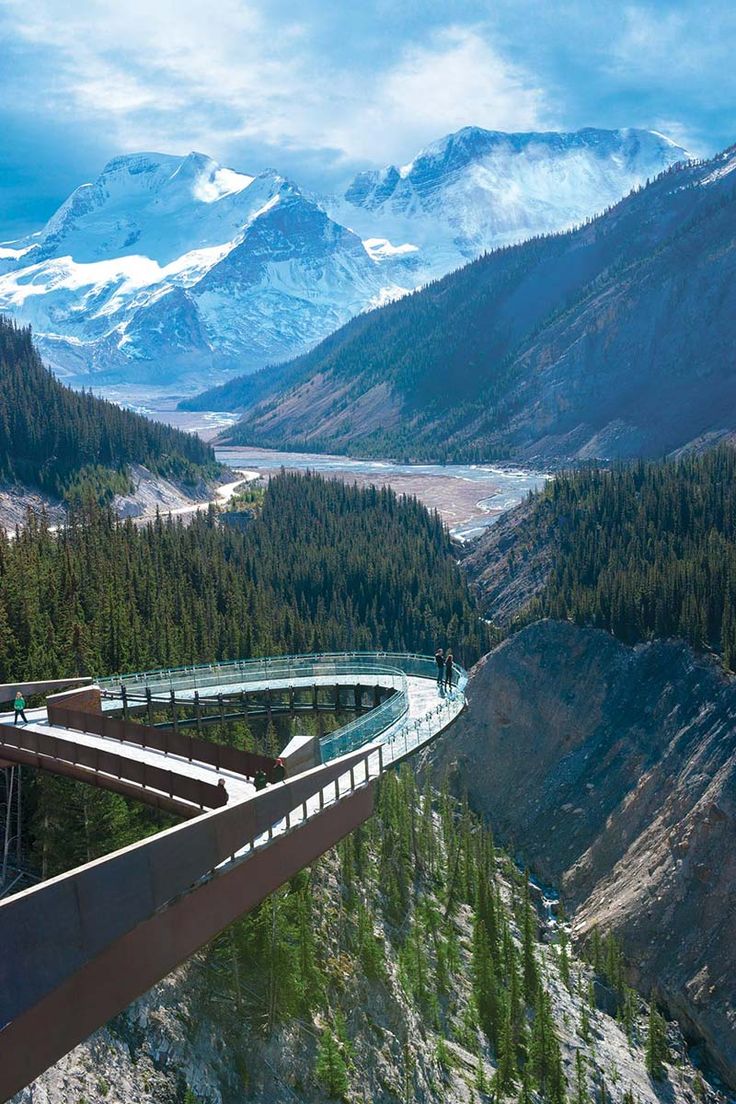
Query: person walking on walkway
x=439, y=658
x=19, y=705
x=448, y=671
x=259, y=780
x=278, y=772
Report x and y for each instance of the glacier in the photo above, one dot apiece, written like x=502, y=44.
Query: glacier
x=171, y=273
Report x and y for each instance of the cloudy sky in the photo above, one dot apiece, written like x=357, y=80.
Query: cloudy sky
x=318, y=90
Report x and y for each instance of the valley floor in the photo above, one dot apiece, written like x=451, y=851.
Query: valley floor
x=468, y=497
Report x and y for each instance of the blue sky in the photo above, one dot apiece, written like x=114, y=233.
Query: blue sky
x=320, y=89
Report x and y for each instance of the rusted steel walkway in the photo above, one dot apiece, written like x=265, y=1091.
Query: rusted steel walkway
x=77, y=949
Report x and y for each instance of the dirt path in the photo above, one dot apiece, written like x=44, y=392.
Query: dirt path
x=222, y=497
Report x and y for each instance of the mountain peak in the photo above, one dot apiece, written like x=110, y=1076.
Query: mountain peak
x=138, y=164
x=471, y=143
x=268, y=270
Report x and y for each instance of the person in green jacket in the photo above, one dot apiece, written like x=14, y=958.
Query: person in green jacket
x=19, y=705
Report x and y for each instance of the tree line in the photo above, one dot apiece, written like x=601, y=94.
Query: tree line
x=61, y=440
x=647, y=550
x=324, y=566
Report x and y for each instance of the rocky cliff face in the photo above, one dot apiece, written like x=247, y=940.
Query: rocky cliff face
x=510, y=562
x=193, y=1039
x=612, y=770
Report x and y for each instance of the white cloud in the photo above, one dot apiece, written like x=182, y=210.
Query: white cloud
x=456, y=80
x=656, y=45
x=173, y=75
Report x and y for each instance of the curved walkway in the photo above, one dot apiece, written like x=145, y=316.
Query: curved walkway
x=415, y=713
x=79, y=948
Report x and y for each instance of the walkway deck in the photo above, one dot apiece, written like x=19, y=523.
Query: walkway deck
x=79, y=948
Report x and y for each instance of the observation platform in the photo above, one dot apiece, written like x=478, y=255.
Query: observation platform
x=78, y=948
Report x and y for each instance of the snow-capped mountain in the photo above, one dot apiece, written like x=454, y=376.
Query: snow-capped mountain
x=168, y=270
x=171, y=272
x=479, y=189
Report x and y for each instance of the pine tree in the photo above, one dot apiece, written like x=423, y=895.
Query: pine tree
x=545, y=1059
x=657, y=1050
x=485, y=988
x=581, y=1085
x=331, y=1069
x=506, y=1072
x=529, y=931
x=481, y=1081
x=564, y=958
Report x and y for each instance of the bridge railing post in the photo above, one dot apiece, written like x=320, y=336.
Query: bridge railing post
x=198, y=712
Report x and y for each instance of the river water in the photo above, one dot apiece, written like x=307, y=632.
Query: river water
x=469, y=497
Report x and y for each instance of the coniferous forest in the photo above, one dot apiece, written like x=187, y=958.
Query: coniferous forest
x=647, y=550
x=324, y=567
x=57, y=439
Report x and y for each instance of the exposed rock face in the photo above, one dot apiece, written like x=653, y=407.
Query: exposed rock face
x=613, y=771
x=509, y=564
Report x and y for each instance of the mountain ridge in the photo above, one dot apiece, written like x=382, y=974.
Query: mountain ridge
x=157, y=230
x=536, y=352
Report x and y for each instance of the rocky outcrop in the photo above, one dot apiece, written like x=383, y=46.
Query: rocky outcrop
x=510, y=563
x=612, y=770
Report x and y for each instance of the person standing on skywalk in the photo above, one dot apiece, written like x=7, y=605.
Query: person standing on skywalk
x=19, y=706
x=448, y=671
x=439, y=658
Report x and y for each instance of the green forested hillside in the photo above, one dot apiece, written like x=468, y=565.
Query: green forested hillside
x=406, y=964
x=325, y=566
x=57, y=439
x=418, y=901
x=643, y=551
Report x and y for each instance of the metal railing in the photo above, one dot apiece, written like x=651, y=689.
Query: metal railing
x=275, y=668
x=55, y=933
x=43, y=749
x=265, y=670
x=405, y=738
x=98, y=902
x=391, y=668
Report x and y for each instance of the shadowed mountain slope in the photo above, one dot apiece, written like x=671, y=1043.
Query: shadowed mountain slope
x=613, y=340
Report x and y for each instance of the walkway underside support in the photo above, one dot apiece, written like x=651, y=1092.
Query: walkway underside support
x=161, y=801
x=108, y=983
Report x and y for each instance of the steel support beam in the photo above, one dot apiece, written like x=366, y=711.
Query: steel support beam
x=107, y=984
